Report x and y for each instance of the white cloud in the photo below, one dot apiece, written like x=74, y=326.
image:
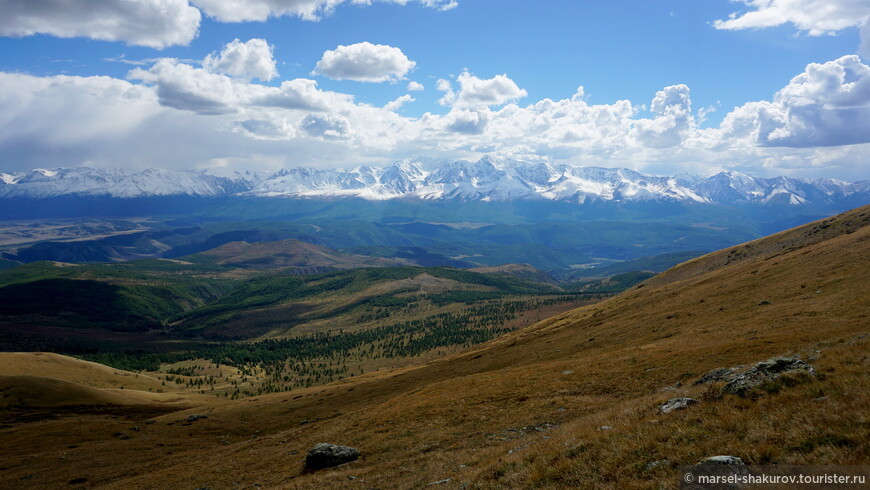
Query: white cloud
x=415, y=86
x=183, y=114
x=826, y=105
x=396, y=104
x=673, y=120
x=466, y=122
x=181, y=86
x=364, y=62
x=152, y=23
x=476, y=92
x=815, y=17
x=248, y=60
x=311, y=10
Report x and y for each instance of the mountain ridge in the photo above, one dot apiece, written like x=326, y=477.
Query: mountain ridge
x=488, y=179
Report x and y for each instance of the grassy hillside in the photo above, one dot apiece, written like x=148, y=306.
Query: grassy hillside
x=529, y=409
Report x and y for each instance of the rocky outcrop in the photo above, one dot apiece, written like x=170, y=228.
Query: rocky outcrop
x=324, y=455
x=766, y=371
x=718, y=374
x=738, y=383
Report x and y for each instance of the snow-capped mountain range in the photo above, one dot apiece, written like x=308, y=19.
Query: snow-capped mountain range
x=488, y=179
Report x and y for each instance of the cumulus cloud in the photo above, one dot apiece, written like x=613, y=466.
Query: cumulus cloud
x=673, y=119
x=152, y=23
x=815, y=17
x=311, y=10
x=415, y=86
x=364, y=62
x=477, y=92
x=466, y=122
x=826, y=105
x=248, y=60
x=186, y=113
x=396, y=104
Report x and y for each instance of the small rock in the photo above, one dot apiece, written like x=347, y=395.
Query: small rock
x=606, y=427
x=721, y=460
x=324, y=455
x=439, y=482
x=763, y=302
x=135, y=428
x=305, y=422
x=194, y=418
x=567, y=371
x=677, y=404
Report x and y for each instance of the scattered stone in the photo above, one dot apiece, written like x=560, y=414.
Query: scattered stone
x=194, y=418
x=439, y=482
x=655, y=464
x=324, y=455
x=606, y=427
x=677, y=404
x=135, y=428
x=766, y=371
x=763, y=302
x=567, y=371
x=305, y=422
x=719, y=374
x=78, y=481
x=123, y=438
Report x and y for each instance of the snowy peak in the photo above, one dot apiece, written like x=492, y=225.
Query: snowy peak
x=84, y=181
x=488, y=179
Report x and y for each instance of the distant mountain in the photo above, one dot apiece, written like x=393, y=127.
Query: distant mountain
x=488, y=179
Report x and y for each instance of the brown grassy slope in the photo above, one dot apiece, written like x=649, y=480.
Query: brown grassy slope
x=31, y=392
x=291, y=253
x=40, y=380
x=56, y=366
x=479, y=417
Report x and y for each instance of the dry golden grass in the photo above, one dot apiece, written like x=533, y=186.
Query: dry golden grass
x=524, y=411
x=48, y=365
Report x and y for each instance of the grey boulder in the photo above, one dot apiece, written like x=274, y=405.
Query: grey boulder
x=324, y=455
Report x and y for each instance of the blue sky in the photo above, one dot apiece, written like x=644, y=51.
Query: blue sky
x=667, y=86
